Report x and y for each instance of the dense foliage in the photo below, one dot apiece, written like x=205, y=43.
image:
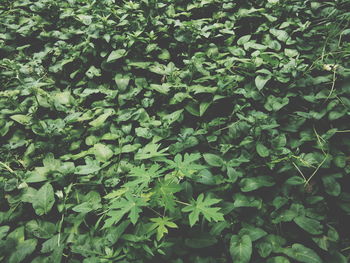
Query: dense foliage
x=174, y=131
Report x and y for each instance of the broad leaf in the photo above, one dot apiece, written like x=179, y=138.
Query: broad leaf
x=241, y=249
x=43, y=199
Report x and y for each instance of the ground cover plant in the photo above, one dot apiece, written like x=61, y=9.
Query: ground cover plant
x=174, y=131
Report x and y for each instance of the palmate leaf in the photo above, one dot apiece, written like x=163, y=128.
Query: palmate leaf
x=203, y=206
x=162, y=224
x=127, y=205
x=185, y=165
x=150, y=151
x=142, y=177
x=164, y=194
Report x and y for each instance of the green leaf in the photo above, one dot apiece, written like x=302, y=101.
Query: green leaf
x=262, y=150
x=278, y=259
x=41, y=229
x=127, y=205
x=116, y=54
x=93, y=72
x=23, y=250
x=91, y=166
x=281, y=35
x=43, y=200
x=331, y=186
x=311, y=226
x=204, y=206
x=164, y=193
x=213, y=160
x=150, y=151
x=302, y=254
x=22, y=119
x=295, y=180
x=241, y=248
x=50, y=244
x=102, y=152
x=122, y=82
x=100, y=120
x=164, y=88
x=162, y=224
x=253, y=183
x=203, y=107
x=254, y=233
x=260, y=81
x=3, y=231
x=200, y=240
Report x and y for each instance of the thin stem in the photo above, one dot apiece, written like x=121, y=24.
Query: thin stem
x=318, y=167
x=299, y=171
x=180, y=202
x=8, y=168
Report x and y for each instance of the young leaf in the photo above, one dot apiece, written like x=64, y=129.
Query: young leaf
x=161, y=224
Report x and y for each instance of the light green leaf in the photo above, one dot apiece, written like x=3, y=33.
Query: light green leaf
x=262, y=150
x=102, y=152
x=121, y=81
x=260, y=81
x=43, y=200
x=100, y=120
x=116, y=54
x=91, y=166
x=162, y=224
x=164, y=88
x=203, y=107
x=281, y=35
x=20, y=118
